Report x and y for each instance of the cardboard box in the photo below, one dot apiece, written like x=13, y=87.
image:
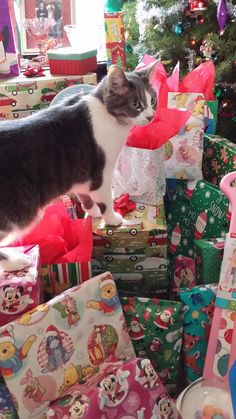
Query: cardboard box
x=135, y=253
x=219, y=158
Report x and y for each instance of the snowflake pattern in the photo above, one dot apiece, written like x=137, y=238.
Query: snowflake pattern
x=169, y=216
x=207, y=194
x=212, y=220
x=133, y=401
x=183, y=208
x=190, y=252
x=202, y=185
x=185, y=242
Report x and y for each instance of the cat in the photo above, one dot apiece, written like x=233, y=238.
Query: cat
x=70, y=147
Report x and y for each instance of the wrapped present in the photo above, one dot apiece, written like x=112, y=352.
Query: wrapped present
x=210, y=116
x=131, y=386
x=134, y=252
x=61, y=342
x=140, y=173
x=155, y=327
x=184, y=272
x=69, y=61
x=115, y=39
x=20, y=290
x=9, y=56
x=7, y=407
x=219, y=158
x=199, y=305
x=22, y=96
x=208, y=255
x=65, y=248
x=199, y=210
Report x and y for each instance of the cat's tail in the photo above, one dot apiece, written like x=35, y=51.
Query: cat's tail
x=12, y=261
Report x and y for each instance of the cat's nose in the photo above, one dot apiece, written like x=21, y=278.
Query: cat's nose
x=149, y=118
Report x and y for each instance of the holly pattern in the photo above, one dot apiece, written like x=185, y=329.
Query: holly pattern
x=219, y=158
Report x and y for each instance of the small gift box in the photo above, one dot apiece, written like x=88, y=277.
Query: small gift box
x=20, y=290
x=69, y=61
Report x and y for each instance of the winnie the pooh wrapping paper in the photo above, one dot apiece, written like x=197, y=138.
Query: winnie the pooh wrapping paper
x=74, y=332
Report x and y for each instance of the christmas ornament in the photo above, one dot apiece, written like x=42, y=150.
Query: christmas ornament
x=178, y=29
x=113, y=6
x=222, y=13
x=196, y=5
x=206, y=49
x=193, y=42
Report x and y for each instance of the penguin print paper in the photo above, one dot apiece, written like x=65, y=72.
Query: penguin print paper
x=199, y=210
x=8, y=54
x=58, y=344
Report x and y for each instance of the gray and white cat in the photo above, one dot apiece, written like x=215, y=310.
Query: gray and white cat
x=70, y=147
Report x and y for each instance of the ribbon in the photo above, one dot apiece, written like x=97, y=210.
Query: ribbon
x=34, y=72
x=123, y=204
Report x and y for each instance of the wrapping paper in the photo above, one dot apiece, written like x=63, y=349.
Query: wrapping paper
x=9, y=59
x=115, y=39
x=199, y=210
x=199, y=305
x=7, y=407
x=20, y=290
x=134, y=394
x=184, y=272
x=61, y=342
x=141, y=174
x=24, y=96
x=219, y=158
x=208, y=255
x=135, y=252
x=183, y=153
x=155, y=327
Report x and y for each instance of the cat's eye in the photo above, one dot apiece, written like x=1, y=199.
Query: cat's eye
x=135, y=104
x=153, y=101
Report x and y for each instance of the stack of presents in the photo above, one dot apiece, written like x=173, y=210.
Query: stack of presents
x=114, y=322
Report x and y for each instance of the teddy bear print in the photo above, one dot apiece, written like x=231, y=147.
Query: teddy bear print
x=109, y=300
x=11, y=357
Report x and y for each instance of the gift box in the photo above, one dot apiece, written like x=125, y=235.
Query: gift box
x=135, y=252
x=61, y=343
x=199, y=210
x=22, y=96
x=184, y=272
x=199, y=305
x=115, y=39
x=20, y=290
x=208, y=255
x=155, y=327
x=7, y=407
x=219, y=158
x=69, y=61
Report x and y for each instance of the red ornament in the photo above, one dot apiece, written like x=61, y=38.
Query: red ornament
x=198, y=5
x=193, y=42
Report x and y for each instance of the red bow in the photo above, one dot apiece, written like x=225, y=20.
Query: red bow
x=122, y=205
x=34, y=72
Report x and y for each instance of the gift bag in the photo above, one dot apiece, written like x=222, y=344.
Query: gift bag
x=199, y=305
x=115, y=39
x=9, y=64
x=155, y=327
x=140, y=173
x=65, y=247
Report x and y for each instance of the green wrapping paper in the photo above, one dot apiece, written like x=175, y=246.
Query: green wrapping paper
x=208, y=254
x=155, y=327
x=199, y=210
x=219, y=158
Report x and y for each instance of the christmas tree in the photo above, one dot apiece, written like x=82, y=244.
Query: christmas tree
x=188, y=31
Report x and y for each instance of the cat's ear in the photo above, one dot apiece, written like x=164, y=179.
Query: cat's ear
x=147, y=72
x=116, y=80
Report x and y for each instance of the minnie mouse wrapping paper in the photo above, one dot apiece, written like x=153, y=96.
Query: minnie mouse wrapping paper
x=59, y=343
x=20, y=290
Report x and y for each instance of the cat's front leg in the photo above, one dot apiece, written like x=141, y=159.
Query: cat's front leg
x=103, y=199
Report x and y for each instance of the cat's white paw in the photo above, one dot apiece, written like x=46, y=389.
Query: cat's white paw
x=94, y=211
x=114, y=219
x=15, y=263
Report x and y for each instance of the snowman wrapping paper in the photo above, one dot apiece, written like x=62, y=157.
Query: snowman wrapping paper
x=155, y=327
x=198, y=210
x=53, y=346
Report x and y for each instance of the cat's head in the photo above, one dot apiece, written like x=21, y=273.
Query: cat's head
x=129, y=97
